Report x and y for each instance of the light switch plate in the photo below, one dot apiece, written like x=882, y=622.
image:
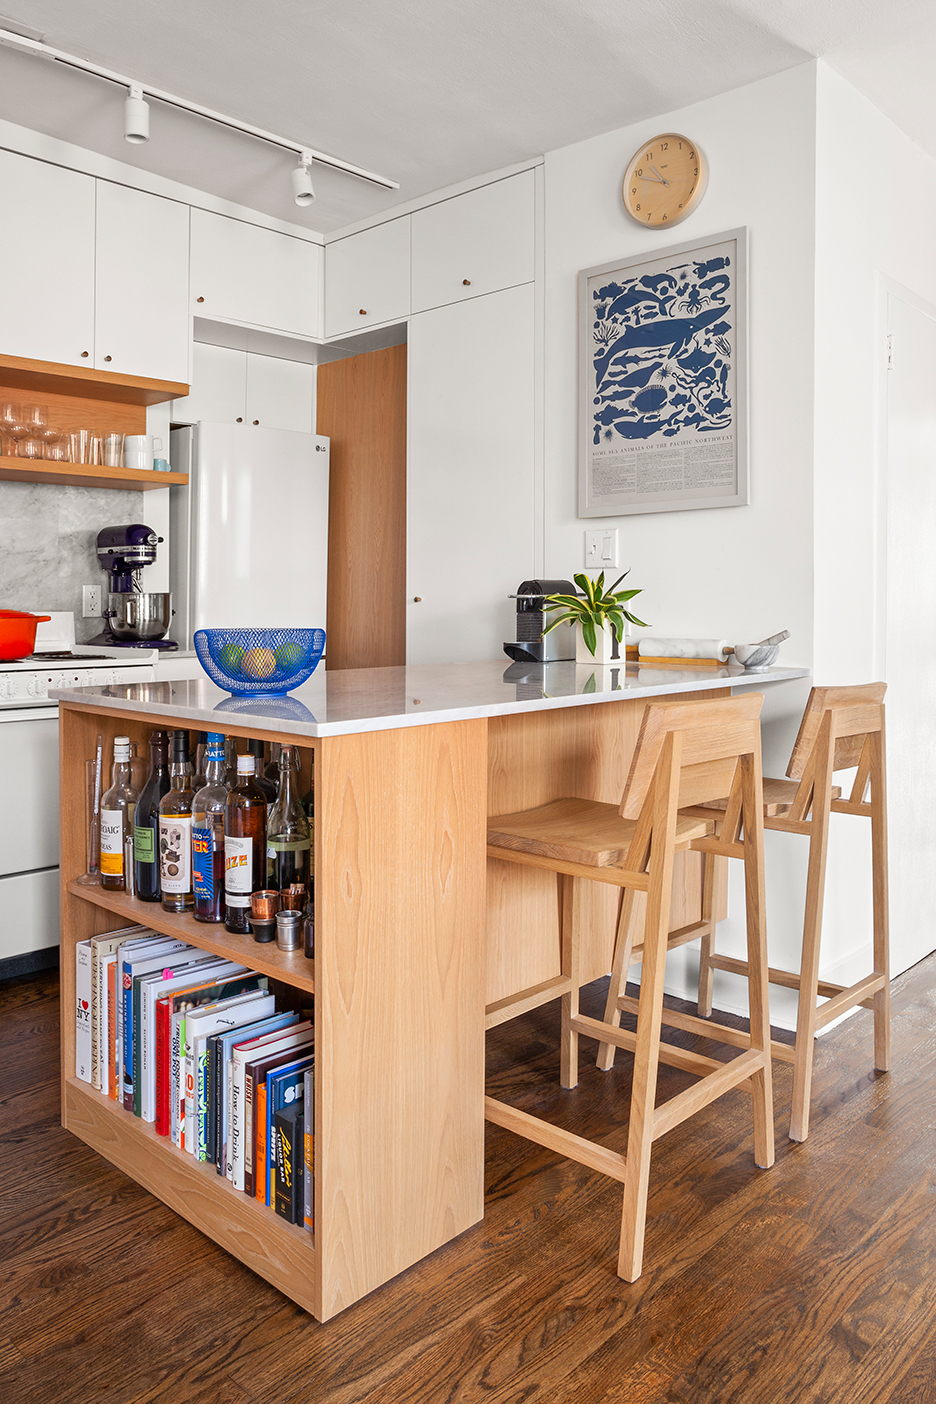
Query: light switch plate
x=601, y=549
x=90, y=601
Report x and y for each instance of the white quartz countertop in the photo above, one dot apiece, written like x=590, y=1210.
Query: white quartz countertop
x=381, y=699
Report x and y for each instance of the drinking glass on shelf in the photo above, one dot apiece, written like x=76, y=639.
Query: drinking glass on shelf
x=93, y=777
x=29, y=448
x=11, y=425
x=113, y=447
x=58, y=452
x=48, y=437
x=81, y=443
x=36, y=418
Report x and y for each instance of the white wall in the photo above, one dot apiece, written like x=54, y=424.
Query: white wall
x=740, y=572
x=875, y=216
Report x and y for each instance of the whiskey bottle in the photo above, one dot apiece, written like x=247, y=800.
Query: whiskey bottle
x=117, y=810
x=288, y=836
x=198, y=767
x=208, y=808
x=267, y=786
x=244, y=845
x=175, y=831
x=146, y=820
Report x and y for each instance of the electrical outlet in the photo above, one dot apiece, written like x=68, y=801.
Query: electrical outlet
x=90, y=601
x=601, y=549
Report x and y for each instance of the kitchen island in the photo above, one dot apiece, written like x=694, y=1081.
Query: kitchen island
x=416, y=932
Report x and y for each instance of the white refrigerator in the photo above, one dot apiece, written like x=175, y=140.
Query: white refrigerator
x=248, y=536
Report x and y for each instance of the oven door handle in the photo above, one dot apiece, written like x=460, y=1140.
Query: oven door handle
x=23, y=714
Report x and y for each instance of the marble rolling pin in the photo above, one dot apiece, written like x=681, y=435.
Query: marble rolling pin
x=701, y=653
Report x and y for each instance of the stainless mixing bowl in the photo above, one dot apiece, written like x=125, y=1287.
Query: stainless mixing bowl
x=139, y=615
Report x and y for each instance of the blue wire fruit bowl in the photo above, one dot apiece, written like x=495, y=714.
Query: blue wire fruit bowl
x=259, y=662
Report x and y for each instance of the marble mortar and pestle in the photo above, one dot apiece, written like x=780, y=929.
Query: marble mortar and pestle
x=758, y=657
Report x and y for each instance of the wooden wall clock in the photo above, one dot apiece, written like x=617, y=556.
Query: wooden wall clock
x=664, y=181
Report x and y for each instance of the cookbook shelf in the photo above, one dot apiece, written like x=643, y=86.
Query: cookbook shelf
x=282, y=1253
x=291, y=967
x=30, y=470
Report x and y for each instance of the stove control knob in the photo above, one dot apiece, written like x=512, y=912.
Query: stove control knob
x=36, y=687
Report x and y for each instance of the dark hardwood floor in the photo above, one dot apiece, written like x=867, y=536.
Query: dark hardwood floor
x=809, y=1283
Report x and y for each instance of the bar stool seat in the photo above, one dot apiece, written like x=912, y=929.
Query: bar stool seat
x=581, y=831
x=687, y=752
x=779, y=797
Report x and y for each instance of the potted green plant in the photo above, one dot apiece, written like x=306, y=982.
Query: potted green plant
x=591, y=611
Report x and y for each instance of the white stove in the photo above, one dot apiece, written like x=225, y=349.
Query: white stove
x=29, y=879
x=59, y=662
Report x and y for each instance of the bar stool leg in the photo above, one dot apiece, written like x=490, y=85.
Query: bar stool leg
x=804, y=1047
x=755, y=899
x=879, y=880
x=649, y=1016
x=714, y=882
x=569, y=935
x=628, y=922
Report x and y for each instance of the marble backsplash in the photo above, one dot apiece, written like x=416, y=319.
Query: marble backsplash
x=47, y=544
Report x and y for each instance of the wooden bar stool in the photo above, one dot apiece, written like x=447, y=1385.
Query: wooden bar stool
x=687, y=752
x=842, y=727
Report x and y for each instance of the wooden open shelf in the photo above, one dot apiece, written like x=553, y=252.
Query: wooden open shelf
x=55, y=378
x=33, y=470
x=266, y=958
x=283, y=1253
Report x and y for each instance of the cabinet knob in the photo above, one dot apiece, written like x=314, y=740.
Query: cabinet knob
x=108, y=358
x=256, y=421
x=84, y=353
x=417, y=599
x=199, y=299
x=363, y=311
x=240, y=419
x=466, y=282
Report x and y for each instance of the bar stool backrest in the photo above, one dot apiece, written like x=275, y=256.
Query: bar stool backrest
x=847, y=748
x=713, y=734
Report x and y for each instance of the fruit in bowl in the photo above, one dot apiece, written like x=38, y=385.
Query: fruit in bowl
x=259, y=662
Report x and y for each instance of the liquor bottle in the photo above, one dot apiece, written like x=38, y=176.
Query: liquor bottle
x=308, y=799
x=255, y=748
x=208, y=834
x=175, y=831
x=288, y=841
x=117, y=809
x=230, y=761
x=244, y=845
x=146, y=821
x=272, y=772
x=199, y=777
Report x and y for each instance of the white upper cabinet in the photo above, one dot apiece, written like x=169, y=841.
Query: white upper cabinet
x=243, y=273
x=240, y=387
x=474, y=243
x=47, y=254
x=219, y=387
x=142, y=323
x=280, y=394
x=367, y=278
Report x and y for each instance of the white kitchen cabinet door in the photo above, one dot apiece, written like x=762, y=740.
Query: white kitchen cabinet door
x=142, y=323
x=367, y=278
x=47, y=254
x=219, y=387
x=280, y=394
x=243, y=273
x=470, y=471
x=475, y=243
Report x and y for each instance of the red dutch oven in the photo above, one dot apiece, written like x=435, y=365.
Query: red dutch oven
x=18, y=633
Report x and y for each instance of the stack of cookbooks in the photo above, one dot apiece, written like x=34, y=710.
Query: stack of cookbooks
x=196, y=1044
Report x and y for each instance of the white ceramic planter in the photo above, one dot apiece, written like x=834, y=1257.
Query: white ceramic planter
x=604, y=643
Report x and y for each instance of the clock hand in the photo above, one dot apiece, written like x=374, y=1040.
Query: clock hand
x=656, y=179
x=658, y=176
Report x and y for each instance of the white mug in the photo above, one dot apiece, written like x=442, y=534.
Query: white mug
x=138, y=451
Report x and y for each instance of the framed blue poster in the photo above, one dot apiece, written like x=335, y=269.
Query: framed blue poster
x=663, y=392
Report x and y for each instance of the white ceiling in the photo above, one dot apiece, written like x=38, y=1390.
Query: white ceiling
x=429, y=92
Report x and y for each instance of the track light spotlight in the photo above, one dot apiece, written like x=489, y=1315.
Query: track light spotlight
x=302, y=180
x=136, y=116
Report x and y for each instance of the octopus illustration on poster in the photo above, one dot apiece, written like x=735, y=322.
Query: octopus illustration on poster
x=662, y=382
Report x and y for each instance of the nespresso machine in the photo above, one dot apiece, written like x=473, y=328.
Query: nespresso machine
x=530, y=645
x=136, y=618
